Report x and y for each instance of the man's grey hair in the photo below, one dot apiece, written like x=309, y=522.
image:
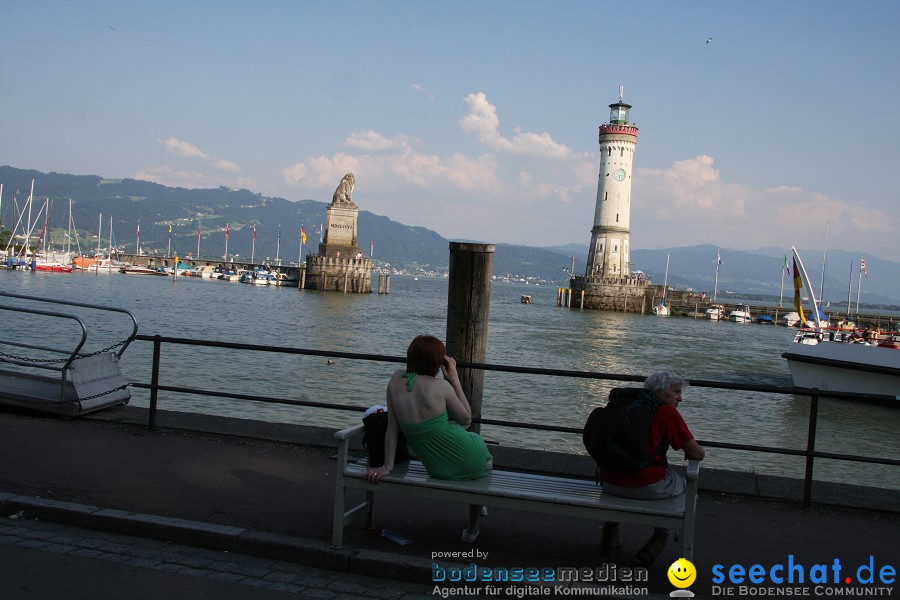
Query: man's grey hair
x=661, y=382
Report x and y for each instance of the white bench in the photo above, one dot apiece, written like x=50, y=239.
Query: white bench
x=547, y=494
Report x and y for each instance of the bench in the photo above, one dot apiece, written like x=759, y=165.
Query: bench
x=548, y=494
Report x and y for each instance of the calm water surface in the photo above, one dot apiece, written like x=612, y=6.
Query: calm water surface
x=533, y=335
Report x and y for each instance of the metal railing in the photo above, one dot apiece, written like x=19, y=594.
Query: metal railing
x=809, y=453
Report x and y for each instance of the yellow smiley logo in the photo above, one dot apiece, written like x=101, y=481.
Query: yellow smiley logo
x=682, y=573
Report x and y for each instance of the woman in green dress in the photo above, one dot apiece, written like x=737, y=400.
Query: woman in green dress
x=433, y=412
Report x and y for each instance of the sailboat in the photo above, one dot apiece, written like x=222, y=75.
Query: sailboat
x=661, y=310
x=716, y=311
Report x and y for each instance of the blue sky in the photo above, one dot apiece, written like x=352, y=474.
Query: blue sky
x=479, y=119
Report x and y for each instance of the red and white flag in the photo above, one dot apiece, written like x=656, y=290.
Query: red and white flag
x=862, y=267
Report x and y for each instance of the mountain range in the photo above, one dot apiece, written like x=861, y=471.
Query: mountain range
x=277, y=223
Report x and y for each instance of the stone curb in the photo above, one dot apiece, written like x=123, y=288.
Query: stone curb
x=260, y=544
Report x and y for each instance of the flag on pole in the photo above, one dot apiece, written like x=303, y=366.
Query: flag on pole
x=862, y=267
x=254, y=233
x=139, y=229
x=226, y=232
x=798, y=285
x=718, y=260
x=302, y=236
x=198, y=232
x=787, y=267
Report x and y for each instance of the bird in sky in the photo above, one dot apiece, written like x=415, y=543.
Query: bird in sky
x=708, y=40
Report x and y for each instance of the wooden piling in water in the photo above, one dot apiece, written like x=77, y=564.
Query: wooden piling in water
x=468, y=306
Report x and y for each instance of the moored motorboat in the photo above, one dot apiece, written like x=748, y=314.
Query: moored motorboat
x=137, y=270
x=285, y=280
x=740, y=314
x=840, y=360
x=845, y=361
x=715, y=313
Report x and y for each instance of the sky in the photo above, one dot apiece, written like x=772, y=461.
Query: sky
x=760, y=123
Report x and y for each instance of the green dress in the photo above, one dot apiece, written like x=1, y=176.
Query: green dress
x=446, y=449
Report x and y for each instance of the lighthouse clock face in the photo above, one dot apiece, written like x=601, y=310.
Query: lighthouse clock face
x=619, y=175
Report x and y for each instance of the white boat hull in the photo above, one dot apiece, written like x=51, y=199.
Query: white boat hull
x=844, y=366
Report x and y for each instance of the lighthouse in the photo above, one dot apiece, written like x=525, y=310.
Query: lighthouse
x=609, y=253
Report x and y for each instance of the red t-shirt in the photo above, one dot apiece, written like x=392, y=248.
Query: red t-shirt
x=667, y=425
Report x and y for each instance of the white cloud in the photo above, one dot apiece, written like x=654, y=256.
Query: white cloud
x=373, y=141
x=418, y=87
x=166, y=175
x=226, y=165
x=688, y=203
x=483, y=122
x=181, y=148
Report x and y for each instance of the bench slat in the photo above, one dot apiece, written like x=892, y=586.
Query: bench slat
x=513, y=484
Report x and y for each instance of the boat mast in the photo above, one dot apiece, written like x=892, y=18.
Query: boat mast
x=716, y=287
x=109, y=261
x=278, y=245
x=824, y=262
x=665, y=281
x=69, y=232
x=28, y=226
x=859, y=286
x=99, y=231
x=783, y=269
x=849, y=290
x=805, y=281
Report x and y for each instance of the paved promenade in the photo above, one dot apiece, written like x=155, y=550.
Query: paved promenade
x=102, y=507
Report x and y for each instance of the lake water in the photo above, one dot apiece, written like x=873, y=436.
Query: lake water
x=539, y=335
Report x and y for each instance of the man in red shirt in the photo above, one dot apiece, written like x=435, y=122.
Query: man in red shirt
x=658, y=480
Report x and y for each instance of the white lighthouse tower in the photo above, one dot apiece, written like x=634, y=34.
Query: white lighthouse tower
x=609, y=253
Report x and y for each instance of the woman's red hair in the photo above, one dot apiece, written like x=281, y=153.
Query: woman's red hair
x=425, y=355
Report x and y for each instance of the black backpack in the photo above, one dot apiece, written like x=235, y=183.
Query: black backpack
x=616, y=435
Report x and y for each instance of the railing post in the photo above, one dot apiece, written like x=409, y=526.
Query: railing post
x=468, y=305
x=810, y=447
x=154, y=381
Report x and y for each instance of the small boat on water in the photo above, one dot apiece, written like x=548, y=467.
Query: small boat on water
x=715, y=313
x=765, y=319
x=740, y=314
x=137, y=270
x=525, y=299
x=284, y=280
x=845, y=361
x=841, y=360
x=257, y=277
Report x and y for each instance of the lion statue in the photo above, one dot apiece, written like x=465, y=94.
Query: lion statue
x=342, y=195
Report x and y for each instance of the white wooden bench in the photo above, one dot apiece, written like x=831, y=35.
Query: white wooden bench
x=547, y=494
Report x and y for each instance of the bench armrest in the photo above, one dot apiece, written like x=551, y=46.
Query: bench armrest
x=693, y=469
x=350, y=432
